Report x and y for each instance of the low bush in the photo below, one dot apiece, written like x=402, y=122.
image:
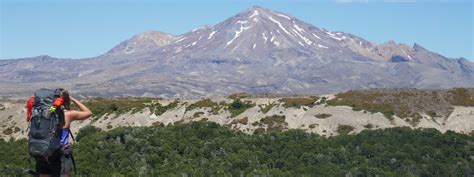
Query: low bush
x=322, y=116
x=237, y=107
x=274, y=123
x=266, y=107
x=298, y=102
x=205, y=103
x=344, y=129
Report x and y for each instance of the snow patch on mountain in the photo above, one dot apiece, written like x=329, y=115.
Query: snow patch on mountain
x=284, y=16
x=316, y=36
x=264, y=37
x=322, y=46
x=211, y=34
x=180, y=39
x=306, y=40
x=238, y=33
x=279, y=25
x=255, y=13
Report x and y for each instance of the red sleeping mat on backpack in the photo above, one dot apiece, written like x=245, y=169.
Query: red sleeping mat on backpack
x=29, y=106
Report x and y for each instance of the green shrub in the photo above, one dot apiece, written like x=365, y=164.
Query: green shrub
x=239, y=96
x=255, y=123
x=237, y=107
x=101, y=106
x=198, y=114
x=259, y=131
x=159, y=109
x=243, y=121
x=322, y=116
x=298, y=102
x=157, y=123
x=431, y=113
x=205, y=103
x=266, y=107
x=415, y=119
x=344, y=129
x=8, y=131
x=86, y=131
x=274, y=123
x=322, y=101
x=16, y=129
x=369, y=126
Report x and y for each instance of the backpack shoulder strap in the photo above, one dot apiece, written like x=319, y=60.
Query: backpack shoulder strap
x=72, y=136
x=73, y=163
x=72, y=156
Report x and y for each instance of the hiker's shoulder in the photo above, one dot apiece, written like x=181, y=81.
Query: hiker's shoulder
x=70, y=113
x=77, y=115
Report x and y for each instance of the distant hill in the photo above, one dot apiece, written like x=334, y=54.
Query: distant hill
x=255, y=51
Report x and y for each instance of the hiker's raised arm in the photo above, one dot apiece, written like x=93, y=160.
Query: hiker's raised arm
x=84, y=113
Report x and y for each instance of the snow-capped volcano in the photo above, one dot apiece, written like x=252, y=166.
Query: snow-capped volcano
x=257, y=29
x=256, y=33
x=259, y=33
x=255, y=51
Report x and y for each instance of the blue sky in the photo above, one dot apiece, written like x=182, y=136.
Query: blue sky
x=87, y=28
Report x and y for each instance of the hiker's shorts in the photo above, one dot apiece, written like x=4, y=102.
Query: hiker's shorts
x=66, y=161
x=66, y=165
x=58, y=167
x=52, y=167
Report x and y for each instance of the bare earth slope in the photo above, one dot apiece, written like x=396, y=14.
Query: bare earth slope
x=259, y=114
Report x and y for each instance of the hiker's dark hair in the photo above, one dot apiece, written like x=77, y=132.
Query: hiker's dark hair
x=66, y=98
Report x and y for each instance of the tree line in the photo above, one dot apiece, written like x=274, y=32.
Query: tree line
x=207, y=149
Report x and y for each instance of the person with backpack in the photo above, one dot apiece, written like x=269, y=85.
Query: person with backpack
x=50, y=116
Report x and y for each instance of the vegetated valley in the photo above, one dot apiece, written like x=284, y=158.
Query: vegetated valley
x=387, y=132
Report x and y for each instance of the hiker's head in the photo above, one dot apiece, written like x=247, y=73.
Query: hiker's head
x=66, y=98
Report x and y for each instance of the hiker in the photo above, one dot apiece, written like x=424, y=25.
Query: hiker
x=53, y=158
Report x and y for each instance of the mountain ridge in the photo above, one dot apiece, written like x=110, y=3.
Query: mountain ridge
x=255, y=51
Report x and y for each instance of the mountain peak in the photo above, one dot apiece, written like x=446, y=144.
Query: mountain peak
x=257, y=11
x=147, y=40
x=256, y=8
x=151, y=33
x=262, y=27
x=256, y=32
x=417, y=46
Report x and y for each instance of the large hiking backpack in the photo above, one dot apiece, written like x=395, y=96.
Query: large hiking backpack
x=46, y=122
